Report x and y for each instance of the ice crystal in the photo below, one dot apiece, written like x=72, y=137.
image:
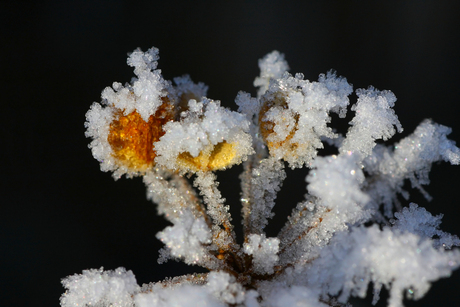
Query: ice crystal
x=175, y=137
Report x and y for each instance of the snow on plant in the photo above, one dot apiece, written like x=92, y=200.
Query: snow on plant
x=171, y=133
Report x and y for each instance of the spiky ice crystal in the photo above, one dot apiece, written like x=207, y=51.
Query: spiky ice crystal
x=170, y=132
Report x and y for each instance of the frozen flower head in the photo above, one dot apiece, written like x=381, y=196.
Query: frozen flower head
x=208, y=137
x=131, y=138
x=130, y=118
x=294, y=115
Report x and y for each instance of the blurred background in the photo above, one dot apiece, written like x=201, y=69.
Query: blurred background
x=62, y=215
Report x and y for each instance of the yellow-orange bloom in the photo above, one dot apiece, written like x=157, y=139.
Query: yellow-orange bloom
x=213, y=157
x=131, y=138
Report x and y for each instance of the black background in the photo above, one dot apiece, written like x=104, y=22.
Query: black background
x=61, y=215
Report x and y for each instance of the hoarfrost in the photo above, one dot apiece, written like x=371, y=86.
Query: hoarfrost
x=97, y=127
x=185, y=86
x=398, y=260
x=295, y=296
x=225, y=287
x=264, y=252
x=410, y=159
x=272, y=66
x=296, y=114
x=374, y=120
x=149, y=86
x=179, y=296
x=185, y=238
x=419, y=221
x=100, y=288
x=265, y=182
x=336, y=182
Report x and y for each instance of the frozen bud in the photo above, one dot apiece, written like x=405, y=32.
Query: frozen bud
x=208, y=137
x=294, y=114
x=279, y=125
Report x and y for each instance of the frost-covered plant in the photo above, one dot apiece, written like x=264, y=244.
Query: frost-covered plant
x=169, y=133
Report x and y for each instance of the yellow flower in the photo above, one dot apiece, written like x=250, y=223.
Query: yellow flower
x=211, y=158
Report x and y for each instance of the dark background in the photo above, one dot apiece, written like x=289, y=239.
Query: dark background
x=61, y=215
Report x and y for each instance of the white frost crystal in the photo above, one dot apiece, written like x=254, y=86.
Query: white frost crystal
x=99, y=288
x=398, y=260
x=410, y=159
x=177, y=296
x=149, y=86
x=224, y=287
x=349, y=231
x=419, y=221
x=185, y=238
x=97, y=124
x=264, y=252
x=272, y=67
x=374, y=120
x=145, y=92
x=295, y=296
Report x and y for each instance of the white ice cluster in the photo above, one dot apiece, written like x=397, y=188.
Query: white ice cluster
x=272, y=66
x=148, y=87
x=186, y=237
x=263, y=251
x=400, y=261
x=100, y=288
x=374, y=120
x=411, y=158
x=420, y=222
x=145, y=91
x=351, y=229
x=98, y=121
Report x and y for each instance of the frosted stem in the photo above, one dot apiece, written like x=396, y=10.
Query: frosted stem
x=266, y=181
x=207, y=184
x=172, y=195
x=184, y=185
x=246, y=196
